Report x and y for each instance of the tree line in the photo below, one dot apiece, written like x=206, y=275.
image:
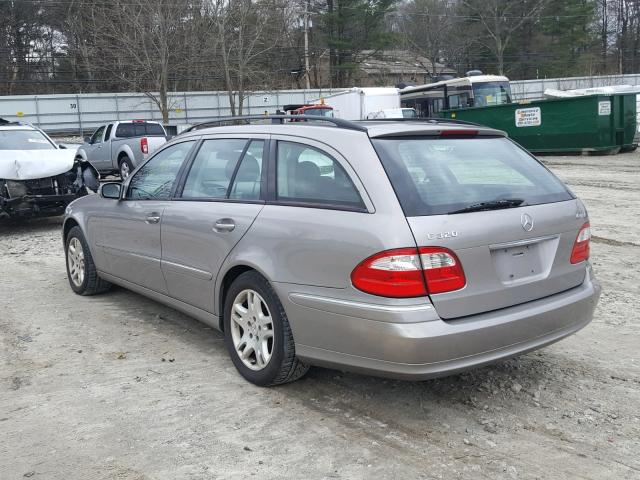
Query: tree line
x=71, y=46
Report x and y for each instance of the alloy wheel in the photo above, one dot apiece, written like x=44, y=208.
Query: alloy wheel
x=75, y=260
x=252, y=329
x=124, y=169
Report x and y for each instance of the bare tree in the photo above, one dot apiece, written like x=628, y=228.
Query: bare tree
x=142, y=43
x=427, y=26
x=246, y=32
x=500, y=20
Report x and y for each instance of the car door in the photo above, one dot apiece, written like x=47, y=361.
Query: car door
x=91, y=147
x=219, y=198
x=102, y=152
x=130, y=228
x=100, y=156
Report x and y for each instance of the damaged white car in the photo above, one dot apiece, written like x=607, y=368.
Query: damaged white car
x=37, y=176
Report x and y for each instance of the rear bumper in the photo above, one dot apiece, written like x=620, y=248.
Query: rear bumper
x=395, y=343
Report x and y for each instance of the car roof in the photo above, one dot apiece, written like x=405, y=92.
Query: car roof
x=373, y=128
x=17, y=127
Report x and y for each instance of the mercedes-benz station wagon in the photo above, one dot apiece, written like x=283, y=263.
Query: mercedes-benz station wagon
x=395, y=248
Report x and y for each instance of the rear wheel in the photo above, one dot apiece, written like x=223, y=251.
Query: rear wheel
x=81, y=271
x=258, y=334
x=126, y=167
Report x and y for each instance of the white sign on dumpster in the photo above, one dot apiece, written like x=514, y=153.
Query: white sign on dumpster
x=604, y=107
x=528, y=117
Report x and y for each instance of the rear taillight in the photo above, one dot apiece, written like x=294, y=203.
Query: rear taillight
x=442, y=270
x=580, y=251
x=144, y=145
x=409, y=272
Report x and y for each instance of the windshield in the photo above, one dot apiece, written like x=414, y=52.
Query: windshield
x=323, y=112
x=409, y=113
x=435, y=176
x=491, y=93
x=24, y=140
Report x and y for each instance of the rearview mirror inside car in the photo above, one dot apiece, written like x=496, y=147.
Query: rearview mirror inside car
x=111, y=190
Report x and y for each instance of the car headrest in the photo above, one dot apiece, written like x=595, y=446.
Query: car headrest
x=307, y=171
x=249, y=170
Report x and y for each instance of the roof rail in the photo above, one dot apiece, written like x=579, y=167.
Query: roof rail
x=433, y=120
x=218, y=122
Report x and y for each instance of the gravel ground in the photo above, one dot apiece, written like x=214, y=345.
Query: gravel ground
x=120, y=387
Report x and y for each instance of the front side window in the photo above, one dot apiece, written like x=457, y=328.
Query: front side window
x=308, y=175
x=435, y=176
x=155, y=179
x=24, y=140
x=97, y=135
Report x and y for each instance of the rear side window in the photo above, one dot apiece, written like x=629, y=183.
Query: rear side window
x=308, y=175
x=439, y=176
x=214, y=168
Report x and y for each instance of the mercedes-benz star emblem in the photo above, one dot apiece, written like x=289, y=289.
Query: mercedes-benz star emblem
x=527, y=222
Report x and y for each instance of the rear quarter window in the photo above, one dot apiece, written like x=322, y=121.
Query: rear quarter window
x=436, y=176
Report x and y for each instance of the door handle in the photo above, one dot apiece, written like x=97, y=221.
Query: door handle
x=224, y=225
x=152, y=218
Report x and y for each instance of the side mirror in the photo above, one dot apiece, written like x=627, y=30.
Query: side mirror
x=61, y=146
x=111, y=190
x=87, y=139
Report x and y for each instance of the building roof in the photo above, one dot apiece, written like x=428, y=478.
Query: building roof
x=400, y=62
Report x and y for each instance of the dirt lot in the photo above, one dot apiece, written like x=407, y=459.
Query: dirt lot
x=120, y=387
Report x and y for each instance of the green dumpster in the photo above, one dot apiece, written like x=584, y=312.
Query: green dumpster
x=594, y=123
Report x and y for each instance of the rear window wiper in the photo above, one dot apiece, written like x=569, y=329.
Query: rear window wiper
x=492, y=205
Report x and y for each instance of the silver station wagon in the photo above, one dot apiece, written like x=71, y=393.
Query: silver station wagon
x=409, y=249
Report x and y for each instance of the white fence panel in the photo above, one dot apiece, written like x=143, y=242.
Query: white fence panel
x=85, y=112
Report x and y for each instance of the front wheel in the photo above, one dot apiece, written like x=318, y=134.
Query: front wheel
x=81, y=271
x=258, y=334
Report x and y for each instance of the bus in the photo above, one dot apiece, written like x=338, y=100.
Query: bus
x=465, y=92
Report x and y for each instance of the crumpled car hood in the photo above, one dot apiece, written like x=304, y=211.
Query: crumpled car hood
x=32, y=164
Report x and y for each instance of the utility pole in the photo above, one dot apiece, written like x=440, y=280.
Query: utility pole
x=306, y=45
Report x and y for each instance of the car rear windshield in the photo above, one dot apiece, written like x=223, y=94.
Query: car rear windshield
x=24, y=140
x=436, y=176
x=139, y=129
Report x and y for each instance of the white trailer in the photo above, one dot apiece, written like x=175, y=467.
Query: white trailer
x=362, y=103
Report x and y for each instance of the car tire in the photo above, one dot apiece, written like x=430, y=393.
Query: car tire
x=126, y=167
x=269, y=320
x=81, y=271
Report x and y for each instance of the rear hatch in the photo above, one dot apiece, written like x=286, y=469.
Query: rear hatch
x=511, y=223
